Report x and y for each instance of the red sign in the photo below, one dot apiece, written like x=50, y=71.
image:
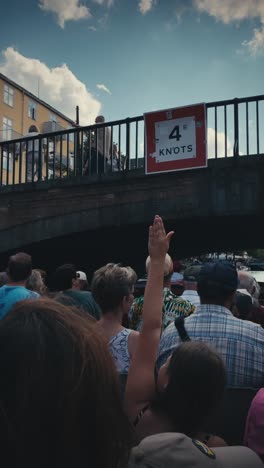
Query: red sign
x=175, y=139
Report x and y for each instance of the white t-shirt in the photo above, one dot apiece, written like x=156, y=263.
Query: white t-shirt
x=192, y=296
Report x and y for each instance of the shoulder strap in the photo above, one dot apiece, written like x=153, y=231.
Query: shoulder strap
x=179, y=324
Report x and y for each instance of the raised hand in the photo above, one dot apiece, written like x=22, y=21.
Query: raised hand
x=159, y=241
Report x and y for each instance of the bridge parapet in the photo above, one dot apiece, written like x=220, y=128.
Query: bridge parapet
x=227, y=188
x=233, y=130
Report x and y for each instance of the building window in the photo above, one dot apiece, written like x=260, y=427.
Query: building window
x=7, y=129
x=7, y=161
x=8, y=95
x=32, y=110
x=53, y=117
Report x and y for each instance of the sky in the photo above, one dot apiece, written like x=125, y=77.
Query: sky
x=121, y=58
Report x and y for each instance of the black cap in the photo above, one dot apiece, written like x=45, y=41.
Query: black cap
x=219, y=275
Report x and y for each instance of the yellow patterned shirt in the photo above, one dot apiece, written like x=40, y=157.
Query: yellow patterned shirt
x=173, y=307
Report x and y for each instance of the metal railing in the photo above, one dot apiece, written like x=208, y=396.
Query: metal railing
x=234, y=128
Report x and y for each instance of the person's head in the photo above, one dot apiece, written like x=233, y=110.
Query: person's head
x=99, y=119
x=64, y=277
x=247, y=281
x=60, y=402
x=19, y=267
x=3, y=278
x=168, y=269
x=177, y=266
x=80, y=283
x=113, y=287
x=177, y=287
x=217, y=283
x=35, y=282
x=33, y=129
x=190, y=276
x=243, y=305
x=43, y=274
x=191, y=385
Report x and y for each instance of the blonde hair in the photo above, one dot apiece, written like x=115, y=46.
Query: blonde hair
x=35, y=282
x=168, y=265
x=111, y=283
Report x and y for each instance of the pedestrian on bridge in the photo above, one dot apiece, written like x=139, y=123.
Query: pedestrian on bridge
x=100, y=149
x=34, y=159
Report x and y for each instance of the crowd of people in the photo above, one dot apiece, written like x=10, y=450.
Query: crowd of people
x=92, y=375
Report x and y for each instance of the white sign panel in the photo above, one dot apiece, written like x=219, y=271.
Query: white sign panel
x=175, y=139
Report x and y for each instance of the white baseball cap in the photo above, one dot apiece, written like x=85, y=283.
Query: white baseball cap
x=81, y=275
x=174, y=450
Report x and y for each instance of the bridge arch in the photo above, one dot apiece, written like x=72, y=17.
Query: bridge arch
x=221, y=205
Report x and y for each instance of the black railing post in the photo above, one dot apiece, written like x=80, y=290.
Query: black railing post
x=136, y=148
x=81, y=164
x=236, y=129
x=60, y=141
x=76, y=145
x=47, y=158
x=78, y=150
x=40, y=159
x=67, y=153
x=14, y=163
x=127, y=144
x=7, y=164
x=54, y=158
x=20, y=163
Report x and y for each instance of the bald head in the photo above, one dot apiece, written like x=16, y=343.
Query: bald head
x=247, y=281
x=100, y=119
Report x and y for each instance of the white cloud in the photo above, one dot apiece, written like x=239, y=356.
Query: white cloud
x=103, y=88
x=226, y=11
x=256, y=45
x=92, y=28
x=108, y=3
x=145, y=6
x=229, y=11
x=232, y=10
x=66, y=10
x=58, y=86
x=220, y=144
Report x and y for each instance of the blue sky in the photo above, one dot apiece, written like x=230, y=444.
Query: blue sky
x=126, y=57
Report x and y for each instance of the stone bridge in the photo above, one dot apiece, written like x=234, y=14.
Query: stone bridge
x=221, y=205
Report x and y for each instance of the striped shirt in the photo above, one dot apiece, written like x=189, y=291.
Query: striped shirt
x=239, y=342
x=173, y=307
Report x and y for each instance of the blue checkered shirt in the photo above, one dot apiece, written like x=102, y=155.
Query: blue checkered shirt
x=239, y=342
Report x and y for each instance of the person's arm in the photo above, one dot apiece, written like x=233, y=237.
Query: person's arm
x=132, y=343
x=140, y=386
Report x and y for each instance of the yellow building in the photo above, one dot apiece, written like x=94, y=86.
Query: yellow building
x=19, y=109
